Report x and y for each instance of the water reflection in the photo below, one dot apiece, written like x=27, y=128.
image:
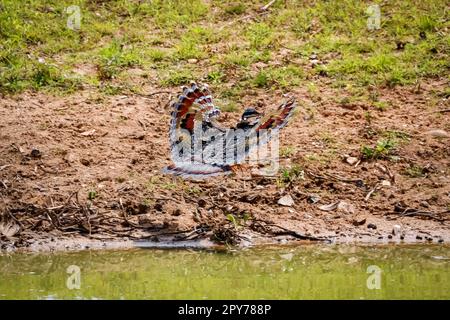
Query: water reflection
x=303, y=272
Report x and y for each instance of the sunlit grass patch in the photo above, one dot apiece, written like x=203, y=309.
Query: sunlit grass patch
x=114, y=57
x=176, y=77
x=188, y=48
x=227, y=39
x=281, y=77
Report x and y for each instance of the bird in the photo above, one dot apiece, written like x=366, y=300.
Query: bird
x=201, y=147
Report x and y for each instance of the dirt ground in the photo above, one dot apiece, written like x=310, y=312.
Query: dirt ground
x=81, y=171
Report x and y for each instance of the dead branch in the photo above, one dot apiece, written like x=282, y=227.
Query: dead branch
x=263, y=226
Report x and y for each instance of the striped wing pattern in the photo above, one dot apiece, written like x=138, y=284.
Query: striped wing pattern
x=193, y=111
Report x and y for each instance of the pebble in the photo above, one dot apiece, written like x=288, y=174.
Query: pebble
x=313, y=198
x=386, y=183
x=345, y=207
x=396, y=229
x=351, y=160
x=286, y=201
x=371, y=226
x=359, y=221
x=35, y=153
x=314, y=62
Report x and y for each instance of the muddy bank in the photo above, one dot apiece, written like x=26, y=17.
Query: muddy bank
x=79, y=171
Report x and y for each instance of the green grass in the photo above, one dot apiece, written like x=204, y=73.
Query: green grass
x=113, y=58
x=177, y=77
x=415, y=171
x=39, y=52
x=383, y=149
x=287, y=151
x=290, y=175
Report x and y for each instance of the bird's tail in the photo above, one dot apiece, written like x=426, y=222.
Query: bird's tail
x=197, y=171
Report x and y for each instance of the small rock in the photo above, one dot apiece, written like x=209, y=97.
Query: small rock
x=35, y=153
x=419, y=237
x=425, y=204
x=85, y=162
x=192, y=61
x=359, y=221
x=88, y=133
x=371, y=226
x=389, y=236
x=396, y=229
x=345, y=207
x=313, y=198
x=314, y=62
x=351, y=160
x=286, y=201
x=70, y=157
x=201, y=203
x=386, y=183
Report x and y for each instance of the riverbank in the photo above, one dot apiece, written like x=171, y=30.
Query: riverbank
x=79, y=172
x=85, y=95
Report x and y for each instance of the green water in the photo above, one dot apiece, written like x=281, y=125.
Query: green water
x=301, y=272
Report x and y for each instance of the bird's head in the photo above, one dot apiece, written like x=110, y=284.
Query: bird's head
x=250, y=115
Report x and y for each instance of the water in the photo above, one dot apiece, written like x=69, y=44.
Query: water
x=287, y=272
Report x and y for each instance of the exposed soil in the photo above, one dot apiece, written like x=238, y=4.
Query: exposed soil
x=57, y=152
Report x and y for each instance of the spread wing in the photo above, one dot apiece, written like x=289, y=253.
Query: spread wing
x=188, y=110
x=280, y=117
x=194, y=112
x=260, y=132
